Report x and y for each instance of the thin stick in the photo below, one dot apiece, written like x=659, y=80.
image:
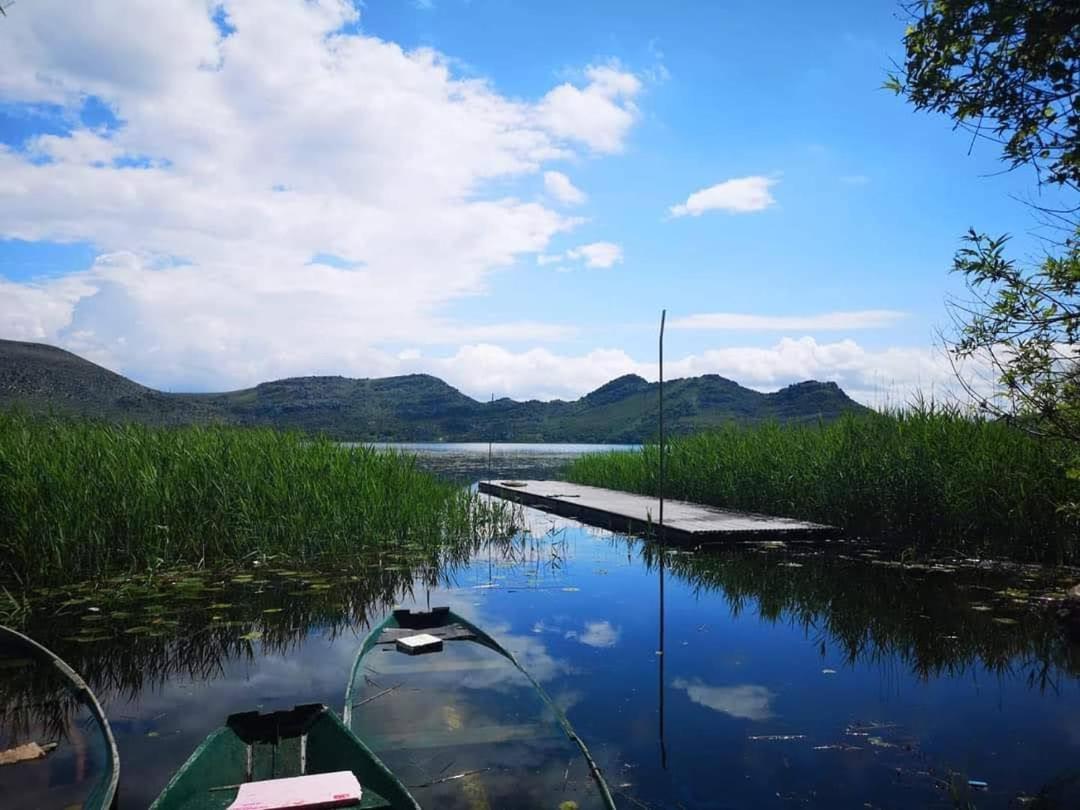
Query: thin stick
x=378, y=695
x=461, y=775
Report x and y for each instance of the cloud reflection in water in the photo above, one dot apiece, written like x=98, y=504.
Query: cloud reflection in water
x=745, y=701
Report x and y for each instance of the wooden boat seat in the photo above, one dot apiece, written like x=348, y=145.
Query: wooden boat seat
x=448, y=632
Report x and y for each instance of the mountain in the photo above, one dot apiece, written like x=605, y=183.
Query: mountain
x=415, y=407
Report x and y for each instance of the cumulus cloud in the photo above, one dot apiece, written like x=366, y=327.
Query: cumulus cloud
x=597, y=254
x=741, y=195
x=872, y=376
x=558, y=185
x=235, y=159
x=602, y=255
x=855, y=319
x=598, y=115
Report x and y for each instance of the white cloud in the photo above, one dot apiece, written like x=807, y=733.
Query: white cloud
x=740, y=195
x=746, y=702
x=872, y=376
x=855, y=180
x=255, y=152
x=597, y=254
x=558, y=185
x=482, y=368
x=598, y=115
x=855, y=319
x=603, y=255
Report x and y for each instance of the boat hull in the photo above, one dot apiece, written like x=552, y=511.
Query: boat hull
x=251, y=747
x=465, y=724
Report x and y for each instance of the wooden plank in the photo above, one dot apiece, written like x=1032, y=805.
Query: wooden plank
x=684, y=522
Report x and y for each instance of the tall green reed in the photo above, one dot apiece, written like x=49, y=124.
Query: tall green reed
x=929, y=475
x=81, y=498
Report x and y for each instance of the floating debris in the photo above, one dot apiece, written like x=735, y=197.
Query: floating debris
x=878, y=742
x=25, y=753
x=776, y=737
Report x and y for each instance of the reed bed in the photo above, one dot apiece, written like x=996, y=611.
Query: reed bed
x=80, y=499
x=927, y=476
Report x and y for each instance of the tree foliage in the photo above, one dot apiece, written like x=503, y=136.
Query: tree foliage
x=1027, y=324
x=1003, y=69
x=1009, y=71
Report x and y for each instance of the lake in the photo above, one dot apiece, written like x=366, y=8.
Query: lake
x=820, y=677
x=467, y=462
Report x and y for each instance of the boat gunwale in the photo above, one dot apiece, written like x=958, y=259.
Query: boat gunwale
x=86, y=694
x=371, y=640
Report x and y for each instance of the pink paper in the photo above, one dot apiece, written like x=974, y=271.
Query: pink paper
x=316, y=790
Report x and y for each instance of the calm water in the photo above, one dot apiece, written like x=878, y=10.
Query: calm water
x=819, y=678
x=467, y=462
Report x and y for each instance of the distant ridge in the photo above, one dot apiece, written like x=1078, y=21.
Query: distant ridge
x=415, y=407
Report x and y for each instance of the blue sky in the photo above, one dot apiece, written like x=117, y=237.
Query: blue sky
x=497, y=193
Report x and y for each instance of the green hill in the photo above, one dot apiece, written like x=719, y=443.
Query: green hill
x=415, y=407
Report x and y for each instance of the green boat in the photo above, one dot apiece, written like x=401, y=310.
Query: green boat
x=305, y=741
x=56, y=747
x=454, y=714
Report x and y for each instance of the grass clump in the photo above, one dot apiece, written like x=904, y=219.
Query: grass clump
x=929, y=475
x=80, y=499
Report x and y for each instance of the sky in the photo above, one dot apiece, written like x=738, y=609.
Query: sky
x=206, y=195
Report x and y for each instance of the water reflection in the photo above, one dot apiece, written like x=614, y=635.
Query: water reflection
x=748, y=701
x=941, y=619
x=816, y=677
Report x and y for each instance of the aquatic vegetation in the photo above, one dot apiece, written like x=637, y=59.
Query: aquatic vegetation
x=931, y=476
x=943, y=618
x=81, y=499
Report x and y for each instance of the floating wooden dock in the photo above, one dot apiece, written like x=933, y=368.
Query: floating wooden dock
x=684, y=522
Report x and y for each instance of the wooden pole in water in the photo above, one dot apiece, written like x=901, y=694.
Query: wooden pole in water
x=491, y=416
x=663, y=317
x=660, y=651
